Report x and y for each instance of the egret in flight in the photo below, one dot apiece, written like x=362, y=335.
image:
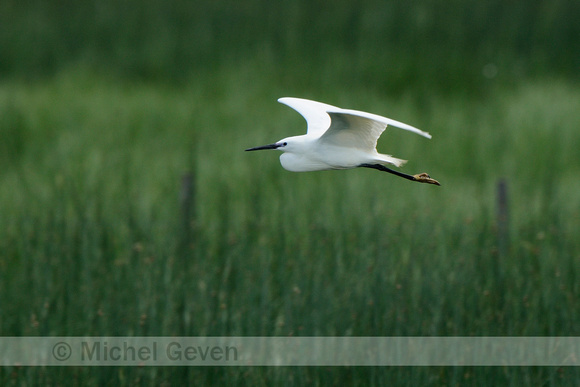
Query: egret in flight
x=339, y=139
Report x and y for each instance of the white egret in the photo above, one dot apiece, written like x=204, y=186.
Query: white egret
x=339, y=139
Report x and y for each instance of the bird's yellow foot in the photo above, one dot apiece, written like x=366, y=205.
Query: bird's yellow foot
x=425, y=178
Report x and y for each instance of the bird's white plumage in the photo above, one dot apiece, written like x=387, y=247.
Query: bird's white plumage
x=314, y=112
x=318, y=118
x=336, y=138
x=357, y=131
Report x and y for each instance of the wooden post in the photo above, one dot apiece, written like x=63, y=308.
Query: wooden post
x=187, y=209
x=502, y=217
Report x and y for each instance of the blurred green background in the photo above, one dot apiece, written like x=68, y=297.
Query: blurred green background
x=128, y=207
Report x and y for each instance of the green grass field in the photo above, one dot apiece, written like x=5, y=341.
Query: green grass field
x=95, y=238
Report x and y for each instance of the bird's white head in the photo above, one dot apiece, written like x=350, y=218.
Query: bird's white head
x=298, y=154
x=285, y=145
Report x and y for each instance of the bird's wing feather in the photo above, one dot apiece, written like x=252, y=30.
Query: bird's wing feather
x=386, y=121
x=318, y=117
x=314, y=113
x=351, y=130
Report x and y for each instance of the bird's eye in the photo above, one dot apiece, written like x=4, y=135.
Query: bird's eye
x=285, y=143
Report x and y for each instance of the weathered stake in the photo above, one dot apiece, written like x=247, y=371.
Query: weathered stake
x=187, y=209
x=502, y=217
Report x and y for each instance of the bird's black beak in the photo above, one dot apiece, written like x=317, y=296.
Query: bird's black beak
x=269, y=146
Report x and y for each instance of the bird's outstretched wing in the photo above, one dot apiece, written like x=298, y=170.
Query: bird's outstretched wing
x=383, y=120
x=314, y=112
x=360, y=129
x=354, y=131
x=318, y=116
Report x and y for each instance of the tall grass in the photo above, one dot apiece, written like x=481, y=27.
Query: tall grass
x=92, y=238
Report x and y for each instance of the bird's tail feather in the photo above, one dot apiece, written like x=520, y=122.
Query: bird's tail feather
x=388, y=159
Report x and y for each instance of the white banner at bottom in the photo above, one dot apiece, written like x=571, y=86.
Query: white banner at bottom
x=289, y=351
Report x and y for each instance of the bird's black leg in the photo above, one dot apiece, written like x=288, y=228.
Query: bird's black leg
x=421, y=178
x=385, y=169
